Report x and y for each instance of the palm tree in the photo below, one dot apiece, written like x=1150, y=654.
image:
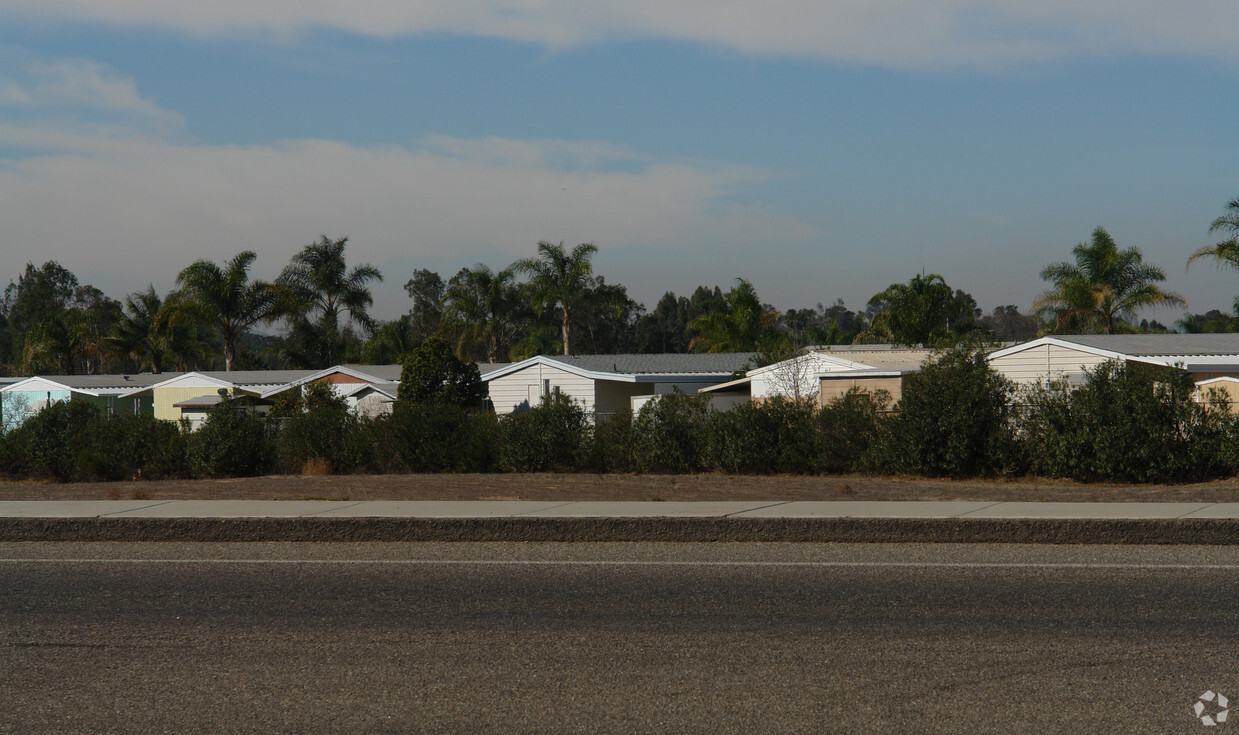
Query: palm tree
x=317, y=287
x=1104, y=286
x=226, y=299
x=1226, y=252
x=487, y=305
x=143, y=330
x=559, y=278
x=320, y=283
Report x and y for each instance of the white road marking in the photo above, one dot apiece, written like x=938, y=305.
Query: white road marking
x=644, y=563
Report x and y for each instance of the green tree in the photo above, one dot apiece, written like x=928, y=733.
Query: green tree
x=148, y=329
x=227, y=300
x=740, y=324
x=560, y=279
x=1104, y=287
x=53, y=324
x=433, y=375
x=319, y=288
x=607, y=319
x=924, y=311
x=428, y=292
x=1226, y=252
x=486, y=308
x=665, y=329
x=391, y=342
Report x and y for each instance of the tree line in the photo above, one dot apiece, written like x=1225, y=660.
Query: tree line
x=550, y=302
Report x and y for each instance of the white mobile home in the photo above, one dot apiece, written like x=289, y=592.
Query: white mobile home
x=605, y=384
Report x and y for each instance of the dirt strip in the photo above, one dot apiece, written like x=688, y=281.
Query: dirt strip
x=549, y=486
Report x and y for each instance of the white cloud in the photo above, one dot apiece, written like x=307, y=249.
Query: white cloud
x=82, y=93
x=140, y=211
x=94, y=180
x=896, y=33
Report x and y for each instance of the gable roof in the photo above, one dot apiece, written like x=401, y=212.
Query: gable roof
x=1193, y=352
x=250, y=381
x=639, y=368
x=95, y=385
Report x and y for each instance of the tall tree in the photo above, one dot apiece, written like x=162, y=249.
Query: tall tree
x=486, y=308
x=318, y=289
x=742, y=324
x=53, y=324
x=560, y=278
x=924, y=311
x=227, y=300
x=665, y=329
x=1226, y=252
x=144, y=330
x=323, y=288
x=428, y=292
x=607, y=319
x=391, y=342
x=1102, y=288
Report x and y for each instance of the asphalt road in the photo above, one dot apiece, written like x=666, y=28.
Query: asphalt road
x=708, y=638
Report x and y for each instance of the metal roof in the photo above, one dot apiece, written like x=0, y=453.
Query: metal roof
x=1155, y=345
x=119, y=382
x=257, y=377
x=720, y=363
x=896, y=359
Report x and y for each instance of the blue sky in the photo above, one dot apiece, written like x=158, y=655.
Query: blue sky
x=822, y=150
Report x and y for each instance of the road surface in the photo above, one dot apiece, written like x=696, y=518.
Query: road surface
x=710, y=638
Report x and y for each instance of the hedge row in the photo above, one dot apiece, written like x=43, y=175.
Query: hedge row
x=957, y=418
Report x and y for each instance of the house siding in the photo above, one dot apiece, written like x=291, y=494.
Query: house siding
x=613, y=396
x=512, y=392
x=833, y=388
x=165, y=398
x=1044, y=363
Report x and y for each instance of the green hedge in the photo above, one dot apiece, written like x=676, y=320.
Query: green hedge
x=956, y=418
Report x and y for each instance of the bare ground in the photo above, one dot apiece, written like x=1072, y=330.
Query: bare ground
x=617, y=487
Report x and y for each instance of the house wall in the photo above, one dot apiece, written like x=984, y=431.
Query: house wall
x=1045, y=363
x=514, y=392
x=337, y=378
x=164, y=398
x=18, y=405
x=372, y=404
x=1227, y=390
x=612, y=396
x=833, y=388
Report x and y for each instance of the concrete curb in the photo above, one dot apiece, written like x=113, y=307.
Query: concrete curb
x=719, y=529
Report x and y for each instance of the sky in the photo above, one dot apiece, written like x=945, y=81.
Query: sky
x=821, y=149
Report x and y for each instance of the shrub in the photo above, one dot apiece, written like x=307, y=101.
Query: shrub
x=233, y=442
x=552, y=435
x=611, y=447
x=319, y=427
x=954, y=420
x=41, y=446
x=434, y=438
x=1129, y=422
x=124, y=447
x=669, y=433
x=847, y=427
x=776, y=435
